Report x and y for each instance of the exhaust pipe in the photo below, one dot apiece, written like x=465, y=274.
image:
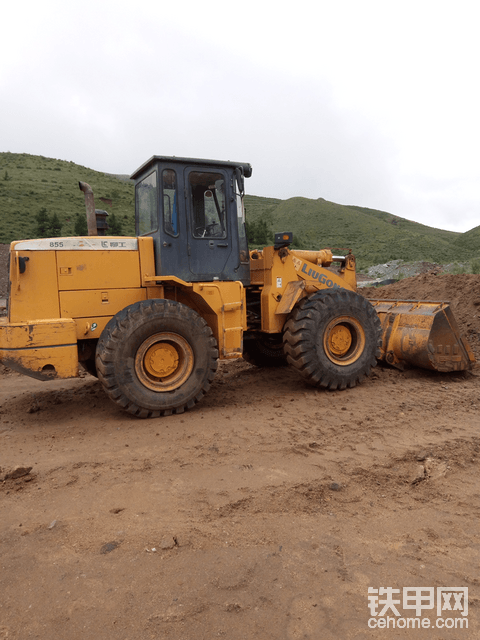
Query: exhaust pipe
x=90, y=207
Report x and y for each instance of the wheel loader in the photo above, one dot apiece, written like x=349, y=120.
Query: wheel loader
x=151, y=315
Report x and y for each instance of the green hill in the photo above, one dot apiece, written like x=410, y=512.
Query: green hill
x=373, y=236
x=30, y=183
x=469, y=242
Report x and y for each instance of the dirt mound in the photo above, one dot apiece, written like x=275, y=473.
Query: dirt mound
x=462, y=291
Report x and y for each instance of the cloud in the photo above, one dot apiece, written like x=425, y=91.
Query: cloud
x=368, y=104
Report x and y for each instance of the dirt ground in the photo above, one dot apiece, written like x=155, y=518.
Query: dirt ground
x=266, y=512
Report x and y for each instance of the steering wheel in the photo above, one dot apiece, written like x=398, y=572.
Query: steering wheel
x=211, y=228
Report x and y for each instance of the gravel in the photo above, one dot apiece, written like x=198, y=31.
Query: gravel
x=398, y=270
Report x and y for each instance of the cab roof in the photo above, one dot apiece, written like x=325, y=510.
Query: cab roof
x=247, y=168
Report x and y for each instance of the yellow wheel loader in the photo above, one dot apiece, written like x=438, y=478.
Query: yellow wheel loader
x=151, y=315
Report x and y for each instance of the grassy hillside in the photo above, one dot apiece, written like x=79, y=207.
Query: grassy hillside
x=29, y=184
x=374, y=236
x=468, y=242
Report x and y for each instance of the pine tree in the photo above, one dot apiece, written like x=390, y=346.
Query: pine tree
x=43, y=224
x=258, y=233
x=114, y=225
x=262, y=233
x=80, y=228
x=251, y=231
x=55, y=226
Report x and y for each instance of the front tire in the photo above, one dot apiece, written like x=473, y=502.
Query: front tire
x=156, y=357
x=333, y=339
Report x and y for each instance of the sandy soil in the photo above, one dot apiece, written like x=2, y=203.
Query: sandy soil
x=266, y=512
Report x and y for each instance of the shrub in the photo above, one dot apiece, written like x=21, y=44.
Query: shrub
x=476, y=266
x=458, y=269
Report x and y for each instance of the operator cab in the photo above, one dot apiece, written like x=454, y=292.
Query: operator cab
x=194, y=211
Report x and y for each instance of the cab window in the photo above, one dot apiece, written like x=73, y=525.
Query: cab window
x=170, y=202
x=208, y=200
x=146, y=204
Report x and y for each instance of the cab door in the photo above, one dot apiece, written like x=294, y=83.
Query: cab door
x=172, y=237
x=208, y=200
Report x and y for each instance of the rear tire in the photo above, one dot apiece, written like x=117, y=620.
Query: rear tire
x=156, y=357
x=333, y=339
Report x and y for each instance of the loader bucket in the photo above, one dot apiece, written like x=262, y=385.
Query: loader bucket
x=423, y=334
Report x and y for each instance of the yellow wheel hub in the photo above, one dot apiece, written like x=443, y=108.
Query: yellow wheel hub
x=161, y=360
x=340, y=340
x=164, y=362
x=344, y=340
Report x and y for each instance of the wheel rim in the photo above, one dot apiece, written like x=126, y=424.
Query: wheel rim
x=344, y=340
x=164, y=362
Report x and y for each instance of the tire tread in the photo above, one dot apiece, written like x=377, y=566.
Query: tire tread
x=300, y=338
x=127, y=321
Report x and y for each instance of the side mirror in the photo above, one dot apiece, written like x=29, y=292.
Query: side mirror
x=240, y=180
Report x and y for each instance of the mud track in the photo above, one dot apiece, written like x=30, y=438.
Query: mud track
x=266, y=512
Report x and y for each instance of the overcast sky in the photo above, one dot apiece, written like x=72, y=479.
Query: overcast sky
x=367, y=102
